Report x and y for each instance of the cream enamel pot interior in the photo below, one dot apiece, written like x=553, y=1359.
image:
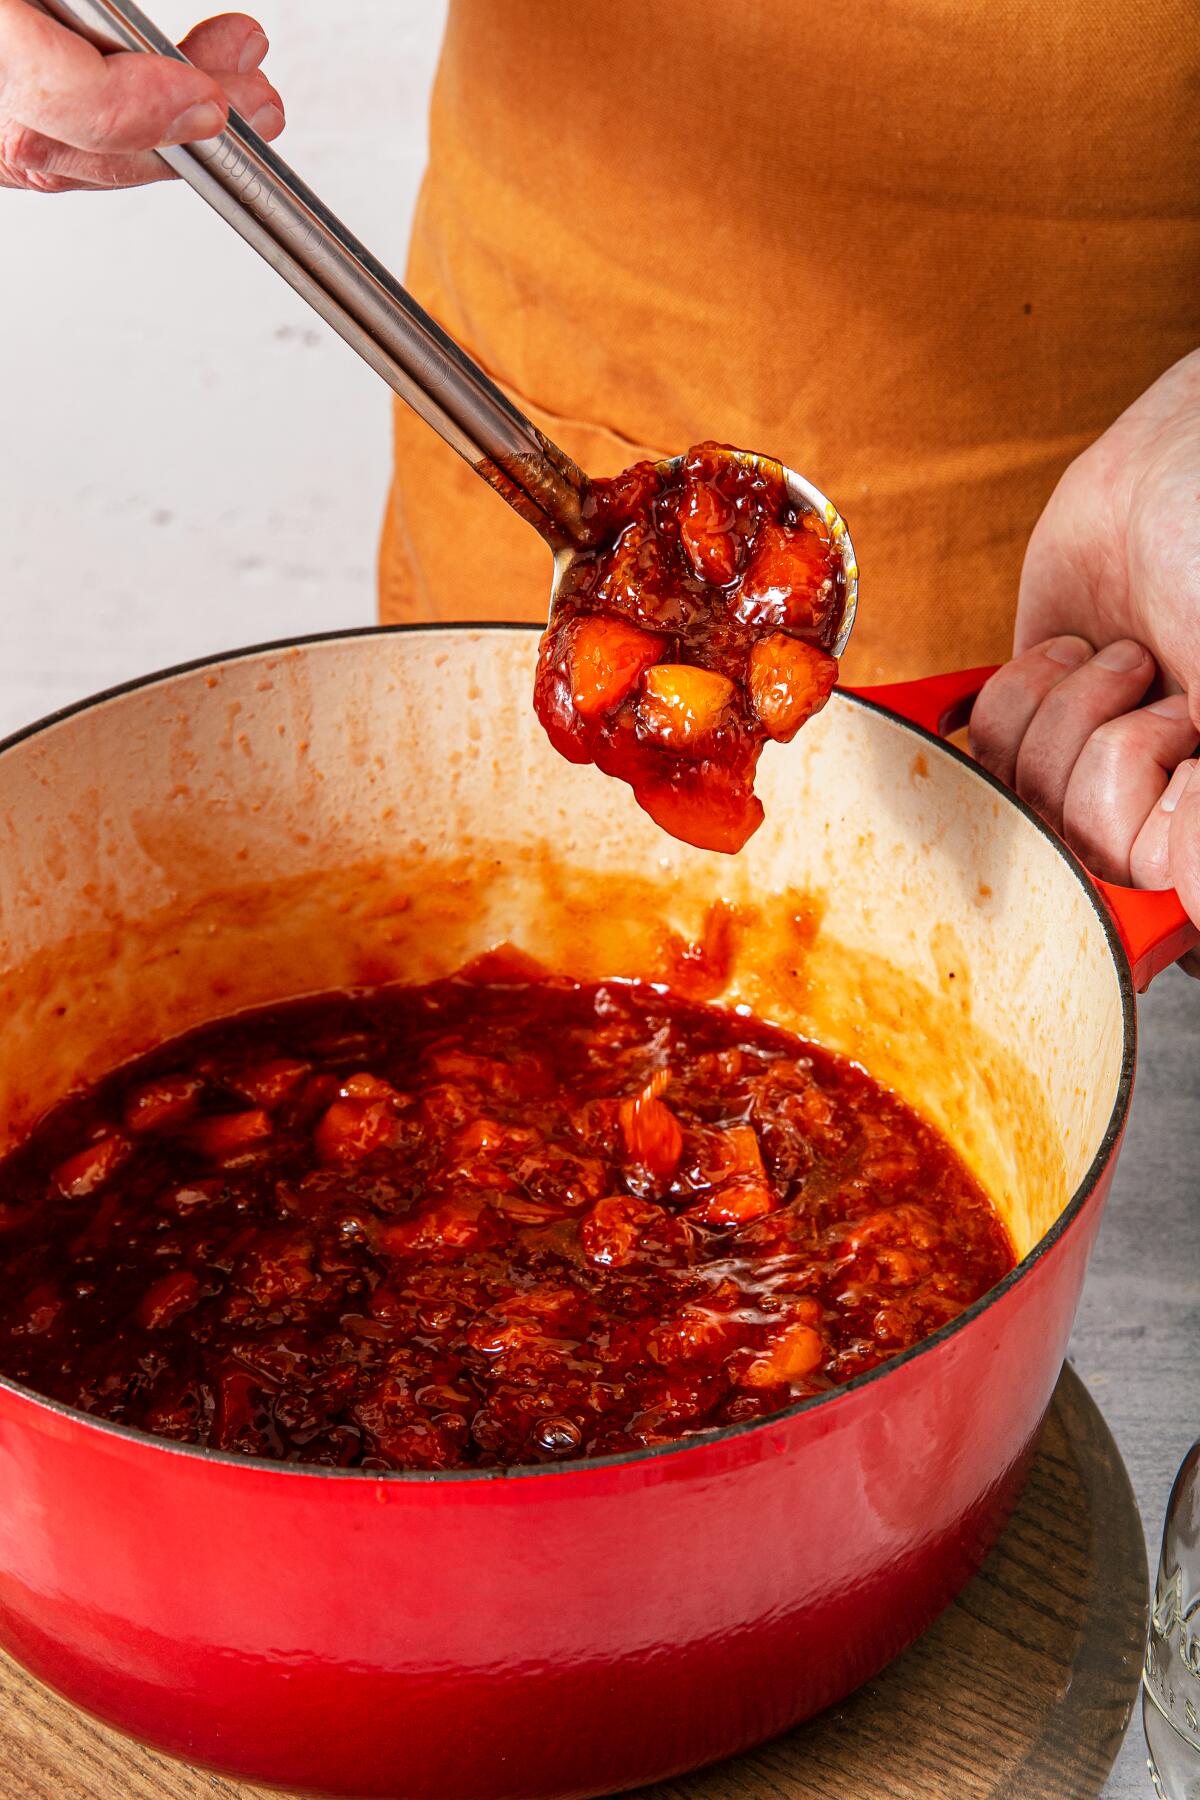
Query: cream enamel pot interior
x=383, y=805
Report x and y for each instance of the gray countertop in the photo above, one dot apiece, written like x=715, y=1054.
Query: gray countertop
x=1135, y=1338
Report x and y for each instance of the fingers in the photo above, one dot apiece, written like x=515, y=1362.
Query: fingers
x=56, y=167
x=1123, y=789
x=1033, y=719
x=232, y=43
x=227, y=50
x=1149, y=856
x=55, y=84
x=1005, y=709
x=1063, y=726
x=42, y=164
x=231, y=48
x=1184, y=856
x=1111, y=683
x=257, y=101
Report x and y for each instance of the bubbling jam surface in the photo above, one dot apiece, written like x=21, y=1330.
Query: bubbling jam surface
x=699, y=627
x=501, y=1219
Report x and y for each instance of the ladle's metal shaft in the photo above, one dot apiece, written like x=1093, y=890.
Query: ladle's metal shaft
x=255, y=191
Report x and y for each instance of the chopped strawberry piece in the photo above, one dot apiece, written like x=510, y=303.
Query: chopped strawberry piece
x=794, y=1354
x=234, y=1419
x=519, y=1209
x=225, y=1135
x=611, y=504
x=638, y=582
x=276, y=1267
x=788, y=580
x=269, y=1083
x=706, y=531
x=488, y=1137
x=607, y=657
x=718, y=810
x=613, y=1229
x=365, y=1086
x=163, y=1104
x=561, y=1178
x=737, y=1203
x=490, y=1072
x=695, y=1334
x=353, y=1129
x=731, y=1160
x=731, y=1153
x=170, y=1297
x=684, y=707
x=87, y=1171
x=40, y=1311
x=908, y=1224
x=898, y=1268
x=458, y=1224
x=789, y=682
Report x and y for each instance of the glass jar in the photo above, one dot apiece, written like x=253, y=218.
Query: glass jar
x=1171, y=1677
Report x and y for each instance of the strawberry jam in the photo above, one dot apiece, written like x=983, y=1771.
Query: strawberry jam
x=698, y=627
x=501, y=1219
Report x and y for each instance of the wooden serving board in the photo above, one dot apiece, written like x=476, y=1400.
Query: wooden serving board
x=1021, y=1691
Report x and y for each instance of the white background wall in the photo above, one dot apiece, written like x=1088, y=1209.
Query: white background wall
x=189, y=459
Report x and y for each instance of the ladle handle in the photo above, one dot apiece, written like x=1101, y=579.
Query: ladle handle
x=256, y=192
x=1153, y=925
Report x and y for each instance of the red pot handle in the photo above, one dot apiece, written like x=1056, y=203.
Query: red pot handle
x=1153, y=927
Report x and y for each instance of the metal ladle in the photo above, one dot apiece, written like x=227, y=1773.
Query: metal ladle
x=256, y=192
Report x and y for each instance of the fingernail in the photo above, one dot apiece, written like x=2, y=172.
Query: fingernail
x=1071, y=652
x=268, y=120
x=1177, y=786
x=1175, y=706
x=253, y=51
x=204, y=120
x=1122, y=657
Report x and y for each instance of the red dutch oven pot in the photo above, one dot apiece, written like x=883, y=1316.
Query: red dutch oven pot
x=381, y=805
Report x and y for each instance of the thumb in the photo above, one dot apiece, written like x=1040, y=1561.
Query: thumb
x=1183, y=847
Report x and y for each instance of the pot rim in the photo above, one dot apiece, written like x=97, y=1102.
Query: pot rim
x=704, y=1440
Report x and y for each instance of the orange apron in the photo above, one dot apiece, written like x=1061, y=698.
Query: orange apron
x=923, y=252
